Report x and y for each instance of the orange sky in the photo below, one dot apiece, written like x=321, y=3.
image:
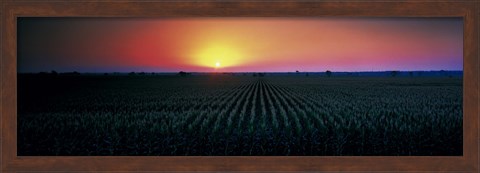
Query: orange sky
x=240, y=44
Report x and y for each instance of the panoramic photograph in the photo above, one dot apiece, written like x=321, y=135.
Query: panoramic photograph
x=240, y=86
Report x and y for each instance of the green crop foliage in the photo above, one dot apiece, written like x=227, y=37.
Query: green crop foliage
x=239, y=115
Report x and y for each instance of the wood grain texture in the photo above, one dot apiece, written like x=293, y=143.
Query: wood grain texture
x=469, y=162
x=2, y=26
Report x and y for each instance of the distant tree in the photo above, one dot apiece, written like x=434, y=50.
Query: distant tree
x=443, y=72
x=394, y=73
x=420, y=73
x=105, y=74
x=131, y=73
x=254, y=74
x=141, y=73
x=153, y=73
x=54, y=73
x=328, y=73
x=297, y=71
x=261, y=74
x=306, y=74
x=74, y=73
x=182, y=73
x=410, y=73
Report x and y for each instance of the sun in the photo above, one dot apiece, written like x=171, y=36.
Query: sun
x=218, y=55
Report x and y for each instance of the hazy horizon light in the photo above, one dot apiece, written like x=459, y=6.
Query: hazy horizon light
x=233, y=44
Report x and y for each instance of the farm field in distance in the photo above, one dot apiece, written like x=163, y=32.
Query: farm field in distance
x=239, y=115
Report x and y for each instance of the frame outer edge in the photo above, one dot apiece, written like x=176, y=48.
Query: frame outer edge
x=8, y=90
x=470, y=70
x=4, y=13
x=2, y=26
x=477, y=28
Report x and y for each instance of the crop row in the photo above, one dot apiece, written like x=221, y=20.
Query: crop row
x=240, y=115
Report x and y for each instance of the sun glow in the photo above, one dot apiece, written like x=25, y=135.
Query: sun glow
x=218, y=56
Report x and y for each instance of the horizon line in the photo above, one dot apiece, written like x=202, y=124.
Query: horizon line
x=248, y=71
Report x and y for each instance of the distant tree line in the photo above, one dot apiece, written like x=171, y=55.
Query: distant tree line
x=55, y=73
x=258, y=74
x=327, y=73
x=182, y=73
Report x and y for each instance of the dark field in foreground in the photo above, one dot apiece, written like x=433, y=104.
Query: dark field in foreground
x=239, y=115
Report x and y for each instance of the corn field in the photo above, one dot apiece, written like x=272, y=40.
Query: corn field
x=234, y=115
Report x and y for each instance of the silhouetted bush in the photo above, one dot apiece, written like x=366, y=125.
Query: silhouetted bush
x=394, y=73
x=74, y=73
x=328, y=73
x=182, y=73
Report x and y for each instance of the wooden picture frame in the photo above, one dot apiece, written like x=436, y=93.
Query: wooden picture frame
x=10, y=10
